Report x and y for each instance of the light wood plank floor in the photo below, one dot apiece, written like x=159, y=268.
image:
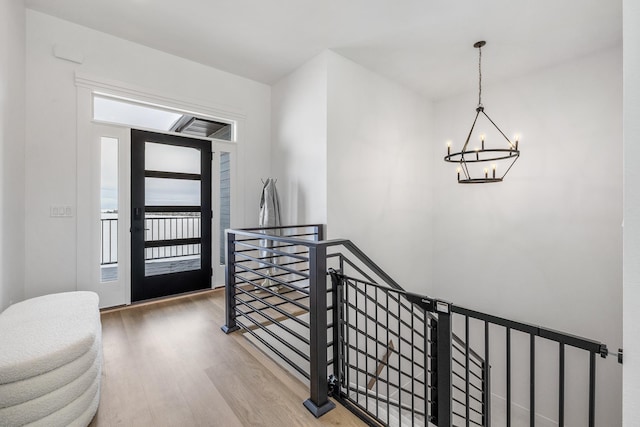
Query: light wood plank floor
x=169, y=364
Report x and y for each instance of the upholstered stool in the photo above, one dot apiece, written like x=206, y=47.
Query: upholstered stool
x=50, y=360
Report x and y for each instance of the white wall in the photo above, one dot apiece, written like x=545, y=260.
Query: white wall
x=12, y=122
x=631, y=28
x=379, y=186
x=51, y=134
x=299, y=142
x=545, y=245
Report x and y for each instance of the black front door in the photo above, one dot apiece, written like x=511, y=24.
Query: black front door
x=170, y=215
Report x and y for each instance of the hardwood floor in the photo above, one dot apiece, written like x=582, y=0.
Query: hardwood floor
x=169, y=364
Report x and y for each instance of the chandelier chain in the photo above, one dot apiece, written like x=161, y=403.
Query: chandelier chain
x=479, y=76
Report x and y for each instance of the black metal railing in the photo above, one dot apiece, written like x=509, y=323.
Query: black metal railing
x=349, y=259
x=391, y=357
x=276, y=291
x=108, y=241
x=382, y=363
x=156, y=229
x=172, y=227
x=470, y=385
x=496, y=337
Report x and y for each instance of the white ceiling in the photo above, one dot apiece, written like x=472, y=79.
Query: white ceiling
x=426, y=45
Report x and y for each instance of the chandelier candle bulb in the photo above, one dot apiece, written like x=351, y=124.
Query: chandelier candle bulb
x=486, y=173
x=448, y=148
x=482, y=140
x=494, y=170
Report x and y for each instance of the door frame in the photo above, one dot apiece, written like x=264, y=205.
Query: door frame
x=87, y=189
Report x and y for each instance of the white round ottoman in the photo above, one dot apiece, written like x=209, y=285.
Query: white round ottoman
x=50, y=360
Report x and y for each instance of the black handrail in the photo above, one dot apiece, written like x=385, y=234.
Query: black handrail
x=589, y=345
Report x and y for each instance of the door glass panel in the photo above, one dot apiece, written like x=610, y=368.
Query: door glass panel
x=171, y=158
x=180, y=232
x=225, y=200
x=171, y=192
x=108, y=209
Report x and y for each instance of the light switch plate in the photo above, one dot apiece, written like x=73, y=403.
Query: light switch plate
x=60, y=211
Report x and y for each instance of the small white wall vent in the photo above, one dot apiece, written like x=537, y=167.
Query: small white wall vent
x=68, y=53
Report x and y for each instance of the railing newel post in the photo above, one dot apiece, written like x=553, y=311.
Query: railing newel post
x=444, y=364
x=230, y=286
x=318, y=403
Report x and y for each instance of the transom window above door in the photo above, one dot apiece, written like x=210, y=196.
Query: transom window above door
x=136, y=114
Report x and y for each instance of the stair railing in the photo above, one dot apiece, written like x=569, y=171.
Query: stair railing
x=455, y=377
x=488, y=329
x=295, y=260
x=269, y=270
x=382, y=361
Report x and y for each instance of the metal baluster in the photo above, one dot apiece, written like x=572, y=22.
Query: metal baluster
x=377, y=384
x=357, y=343
x=413, y=393
x=508, y=377
x=101, y=241
x=592, y=389
x=467, y=368
x=532, y=380
x=425, y=356
x=561, y=387
x=487, y=377
x=115, y=259
x=388, y=360
x=110, y=258
x=182, y=222
x=399, y=360
x=366, y=342
x=347, y=335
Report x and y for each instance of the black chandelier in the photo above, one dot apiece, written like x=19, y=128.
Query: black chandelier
x=474, y=163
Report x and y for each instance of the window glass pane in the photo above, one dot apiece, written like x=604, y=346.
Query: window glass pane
x=225, y=200
x=171, y=158
x=108, y=209
x=139, y=115
x=135, y=115
x=171, y=192
x=180, y=255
